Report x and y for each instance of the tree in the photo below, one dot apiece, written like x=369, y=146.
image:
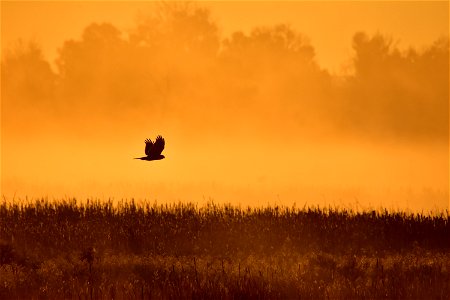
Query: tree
x=27, y=78
x=273, y=71
x=85, y=66
x=181, y=28
x=404, y=93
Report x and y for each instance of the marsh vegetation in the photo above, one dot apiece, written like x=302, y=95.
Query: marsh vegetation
x=128, y=250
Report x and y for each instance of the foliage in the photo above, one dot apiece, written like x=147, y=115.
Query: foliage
x=174, y=64
x=99, y=250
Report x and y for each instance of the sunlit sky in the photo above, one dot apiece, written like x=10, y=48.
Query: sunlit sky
x=248, y=125
x=329, y=25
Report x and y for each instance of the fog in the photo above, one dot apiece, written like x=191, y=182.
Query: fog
x=251, y=118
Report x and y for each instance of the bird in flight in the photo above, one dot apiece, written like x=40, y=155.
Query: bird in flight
x=153, y=149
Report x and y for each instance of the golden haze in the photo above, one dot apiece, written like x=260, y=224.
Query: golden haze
x=249, y=117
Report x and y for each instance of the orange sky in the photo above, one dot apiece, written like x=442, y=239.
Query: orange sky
x=329, y=25
x=310, y=113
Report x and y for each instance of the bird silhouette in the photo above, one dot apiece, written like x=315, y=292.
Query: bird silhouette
x=153, y=149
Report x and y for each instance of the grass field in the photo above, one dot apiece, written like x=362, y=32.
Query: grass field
x=97, y=250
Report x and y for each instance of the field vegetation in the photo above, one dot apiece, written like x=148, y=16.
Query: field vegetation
x=101, y=250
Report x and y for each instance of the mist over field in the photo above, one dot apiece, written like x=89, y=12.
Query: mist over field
x=249, y=118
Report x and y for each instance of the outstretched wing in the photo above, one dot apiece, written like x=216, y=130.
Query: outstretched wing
x=158, y=146
x=148, y=147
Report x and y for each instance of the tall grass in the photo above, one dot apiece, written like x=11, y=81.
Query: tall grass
x=97, y=250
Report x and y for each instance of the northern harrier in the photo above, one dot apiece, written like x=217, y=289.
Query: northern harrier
x=153, y=149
